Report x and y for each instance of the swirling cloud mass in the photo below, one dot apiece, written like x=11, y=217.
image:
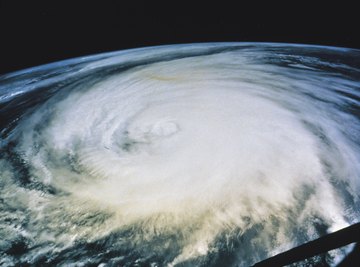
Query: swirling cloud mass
x=207, y=154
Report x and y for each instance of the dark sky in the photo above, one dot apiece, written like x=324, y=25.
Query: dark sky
x=34, y=32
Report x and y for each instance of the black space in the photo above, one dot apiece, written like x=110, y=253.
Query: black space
x=35, y=32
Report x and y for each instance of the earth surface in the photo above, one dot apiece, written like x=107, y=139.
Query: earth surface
x=219, y=154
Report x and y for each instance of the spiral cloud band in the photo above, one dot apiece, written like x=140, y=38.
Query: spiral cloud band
x=186, y=155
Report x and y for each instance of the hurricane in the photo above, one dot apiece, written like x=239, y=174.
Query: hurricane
x=219, y=154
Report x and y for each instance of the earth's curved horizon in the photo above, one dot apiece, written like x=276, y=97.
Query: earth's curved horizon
x=207, y=154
